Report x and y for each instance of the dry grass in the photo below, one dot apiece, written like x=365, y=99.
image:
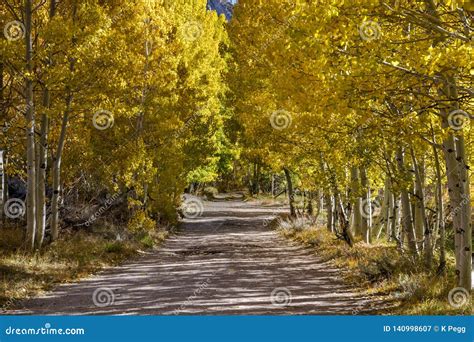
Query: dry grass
x=382, y=270
x=73, y=256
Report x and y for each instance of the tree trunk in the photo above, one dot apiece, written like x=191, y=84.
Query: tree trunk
x=396, y=233
x=250, y=180
x=329, y=212
x=273, y=185
x=389, y=221
x=59, y=152
x=418, y=205
x=383, y=218
x=458, y=189
x=407, y=221
x=30, y=129
x=366, y=202
x=319, y=205
x=440, y=213
x=465, y=267
x=310, y=209
x=345, y=233
x=41, y=189
x=355, y=191
x=42, y=156
x=421, y=211
x=291, y=197
x=257, y=180
x=57, y=173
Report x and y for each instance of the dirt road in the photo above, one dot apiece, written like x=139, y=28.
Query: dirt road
x=226, y=261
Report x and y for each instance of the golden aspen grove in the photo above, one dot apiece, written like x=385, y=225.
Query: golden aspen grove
x=187, y=135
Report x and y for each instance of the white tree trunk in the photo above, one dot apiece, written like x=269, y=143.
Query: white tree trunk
x=457, y=171
x=383, y=221
x=420, y=207
x=396, y=234
x=57, y=175
x=43, y=156
x=407, y=218
x=30, y=131
x=365, y=226
x=440, y=212
x=291, y=196
x=41, y=190
x=418, y=203
x=465, y=266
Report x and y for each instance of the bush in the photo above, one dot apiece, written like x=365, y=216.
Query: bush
x=114, y=247
x=210, y=192
x=147, y=241
x=140, y=222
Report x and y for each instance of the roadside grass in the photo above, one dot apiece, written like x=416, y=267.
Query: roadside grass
x=380, y=270
x=74, y=256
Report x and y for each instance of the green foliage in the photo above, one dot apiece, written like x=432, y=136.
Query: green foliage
x=114, y=247
x=147, y=241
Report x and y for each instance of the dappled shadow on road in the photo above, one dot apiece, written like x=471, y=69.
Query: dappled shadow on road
x=225, y=262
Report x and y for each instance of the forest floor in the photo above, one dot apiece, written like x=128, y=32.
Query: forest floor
x=227, y=261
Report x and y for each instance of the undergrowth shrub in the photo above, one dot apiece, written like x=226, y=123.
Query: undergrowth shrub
x=140, y=222
x=210, y=192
